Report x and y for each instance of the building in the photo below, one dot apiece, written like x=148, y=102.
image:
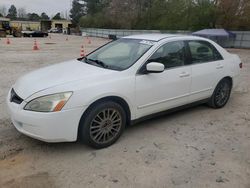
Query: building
x=62, y=25
x=4, y=26
x=4, y=19
x=43, y=25
x=26, y=25
x=7, y=26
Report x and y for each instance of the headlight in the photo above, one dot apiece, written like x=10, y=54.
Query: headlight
x=49, y=103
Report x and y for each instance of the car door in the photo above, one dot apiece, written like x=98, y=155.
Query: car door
x=207, y=68
x=156, y=92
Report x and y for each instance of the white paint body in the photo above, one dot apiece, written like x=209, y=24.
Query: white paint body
x=145, y=94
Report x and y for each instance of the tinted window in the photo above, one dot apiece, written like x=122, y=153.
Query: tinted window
x=202, y=51
x=171, y=54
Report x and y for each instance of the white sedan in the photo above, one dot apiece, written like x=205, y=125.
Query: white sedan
x=95, y=97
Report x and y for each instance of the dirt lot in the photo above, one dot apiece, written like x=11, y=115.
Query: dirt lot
x=197, y=147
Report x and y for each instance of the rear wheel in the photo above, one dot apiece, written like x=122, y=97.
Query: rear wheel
x=102, y=125
x=221, y=94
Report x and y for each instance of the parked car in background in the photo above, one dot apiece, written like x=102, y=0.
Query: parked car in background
x=95, y=97
x=34, y=34
x=55, y=30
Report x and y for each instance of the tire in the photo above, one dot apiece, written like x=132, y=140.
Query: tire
x=221, y=94
x=102, y=124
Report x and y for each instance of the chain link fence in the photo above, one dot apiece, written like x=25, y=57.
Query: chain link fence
x=242, y=39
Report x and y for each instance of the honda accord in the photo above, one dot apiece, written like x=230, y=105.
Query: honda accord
x=95, y=97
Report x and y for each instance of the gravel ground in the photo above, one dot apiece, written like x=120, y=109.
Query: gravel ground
x=196, y=147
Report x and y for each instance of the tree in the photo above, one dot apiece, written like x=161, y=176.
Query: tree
x=234, y=13
x=57, y=16
x=33, y=17
x=78, y=10
x=203, y=15
x=3, y=10
x=66, y=15
x=21, y=12
x=162, y=14
x=12, y=12
x=96, y=6
x=124, y=11
x=44, y=16
x=1, y=15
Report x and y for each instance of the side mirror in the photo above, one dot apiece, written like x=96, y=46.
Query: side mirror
x=155, y=67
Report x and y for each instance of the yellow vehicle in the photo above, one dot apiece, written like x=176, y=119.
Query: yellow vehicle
x=5, y=28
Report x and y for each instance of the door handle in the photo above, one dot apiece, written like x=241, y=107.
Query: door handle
x=184, y=74
x=219, y=66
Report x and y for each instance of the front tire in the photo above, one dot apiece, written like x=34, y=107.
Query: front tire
x=102, y=124
x=221, y=94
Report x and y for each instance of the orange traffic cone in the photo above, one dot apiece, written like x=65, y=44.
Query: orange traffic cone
x=8, y=41
x=82, y=51
x=89, y=42
x=35, y=47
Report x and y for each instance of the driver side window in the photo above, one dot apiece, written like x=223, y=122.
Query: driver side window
x=171, y=55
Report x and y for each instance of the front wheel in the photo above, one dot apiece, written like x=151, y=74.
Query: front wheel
x=221, y=94
x=102, y=125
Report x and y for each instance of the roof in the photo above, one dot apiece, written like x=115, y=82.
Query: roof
x=4, y=19
x=25, y=21
x=55, y=20
x=152, y=37
x=214, y=33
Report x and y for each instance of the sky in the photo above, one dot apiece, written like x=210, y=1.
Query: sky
x=51, y=7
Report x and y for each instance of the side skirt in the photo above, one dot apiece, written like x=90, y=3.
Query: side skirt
x=151, y=116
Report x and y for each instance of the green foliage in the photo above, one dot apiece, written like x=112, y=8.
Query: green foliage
x=166, y=14
x=57, y=16
x=33, y=17
x=78, y=10
x=204, y=15
x=44, y=16
x=94, y=6
x=12, y=12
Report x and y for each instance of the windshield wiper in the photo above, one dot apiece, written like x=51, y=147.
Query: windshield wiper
x=96, y=61
x=100, y=63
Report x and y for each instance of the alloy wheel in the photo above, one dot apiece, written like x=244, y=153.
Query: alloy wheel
x=222, y=94
x=105, y=126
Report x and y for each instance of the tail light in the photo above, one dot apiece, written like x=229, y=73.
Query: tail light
x=241, y=65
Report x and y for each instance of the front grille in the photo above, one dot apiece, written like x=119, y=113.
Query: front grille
x=15, y=98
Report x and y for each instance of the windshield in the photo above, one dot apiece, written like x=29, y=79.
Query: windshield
x=120, y=54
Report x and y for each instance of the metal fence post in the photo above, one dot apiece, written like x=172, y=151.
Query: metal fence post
x=242, y=36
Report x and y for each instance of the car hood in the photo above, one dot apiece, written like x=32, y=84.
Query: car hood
x=55, y=75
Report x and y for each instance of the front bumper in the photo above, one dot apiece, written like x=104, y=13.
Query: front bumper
x=49, y=127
